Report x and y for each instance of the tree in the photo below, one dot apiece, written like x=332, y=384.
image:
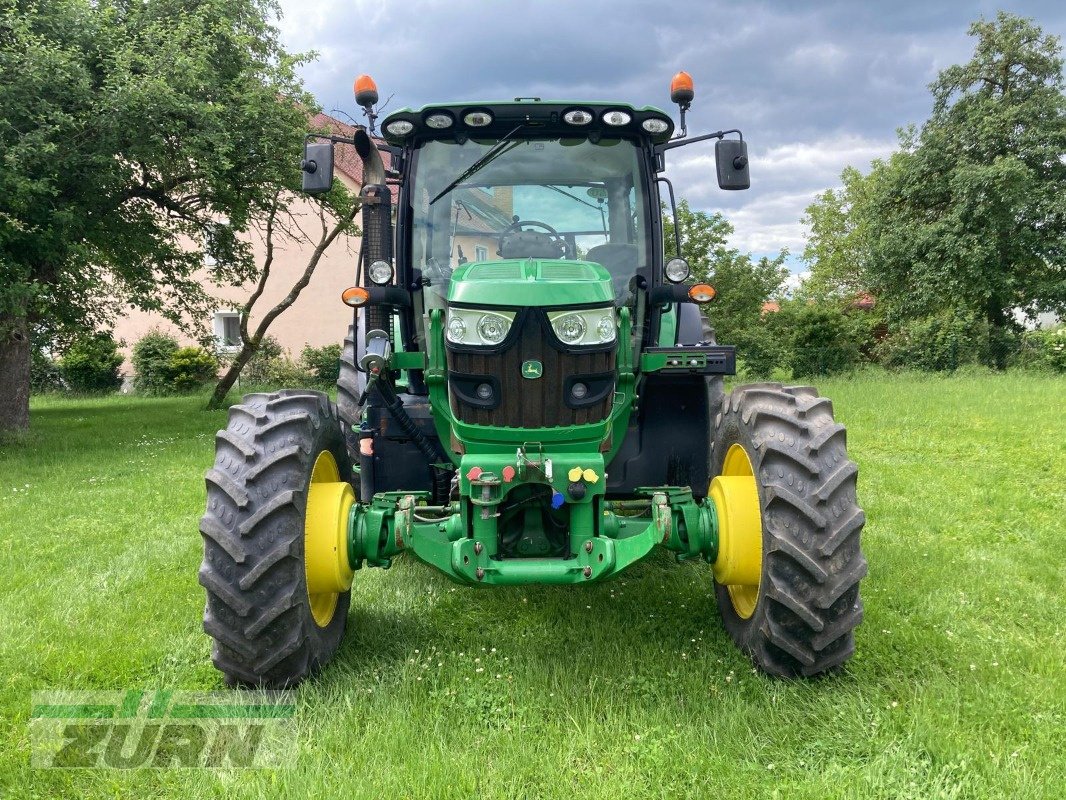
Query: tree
x=837, y=243
x=128, y=131
x=743, y=283
x=971, y=212
x=281, y=225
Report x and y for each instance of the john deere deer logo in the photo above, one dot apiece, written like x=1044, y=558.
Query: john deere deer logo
x=532, y=369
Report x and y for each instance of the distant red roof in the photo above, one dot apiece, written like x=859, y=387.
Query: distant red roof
x=769, y=307
x=864, y=301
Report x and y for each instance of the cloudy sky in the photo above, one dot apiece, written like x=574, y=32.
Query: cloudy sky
x=815, y=86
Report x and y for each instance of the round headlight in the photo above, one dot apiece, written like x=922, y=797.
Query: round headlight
x=399, y=127
x=577, y=117
x=492, y=328
x=571, y=328
x=456, y=329
x=579, y=391
x=605, y=328
x=617, y=118
x=677, y=270
x=477, y=119
x=439, y=121
x=380, y=272
x=655, y=125
x=484, y=391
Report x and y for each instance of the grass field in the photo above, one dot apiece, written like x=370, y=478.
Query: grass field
x=624, y=689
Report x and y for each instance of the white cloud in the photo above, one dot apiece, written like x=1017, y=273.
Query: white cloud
x=785, y=180
x=823, y=56
x=815, y=86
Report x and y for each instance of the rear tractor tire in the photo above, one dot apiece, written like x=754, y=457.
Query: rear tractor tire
x=275, y=559
x=789, y=565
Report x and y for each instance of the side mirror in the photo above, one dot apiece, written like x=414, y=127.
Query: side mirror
x=317, y=167
x=731, y=158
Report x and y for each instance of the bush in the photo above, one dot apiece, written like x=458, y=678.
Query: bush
x=162, y=367
x=45, y=375
x=273, y=366
x=941, y=342
x=151, y=362
x=760, y=351
x=261, y=364
x=91, y=364
x=822, y=339
x=324, y=363
x=190, y=368
x=1044, y=348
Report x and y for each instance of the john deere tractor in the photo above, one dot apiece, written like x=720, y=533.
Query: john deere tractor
x=529, y=394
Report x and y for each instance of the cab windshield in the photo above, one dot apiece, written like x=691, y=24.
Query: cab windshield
x=529, y=198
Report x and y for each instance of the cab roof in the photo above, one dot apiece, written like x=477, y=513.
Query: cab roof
x=546, y=117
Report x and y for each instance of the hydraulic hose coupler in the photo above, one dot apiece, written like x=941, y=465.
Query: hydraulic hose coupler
x=378, y=352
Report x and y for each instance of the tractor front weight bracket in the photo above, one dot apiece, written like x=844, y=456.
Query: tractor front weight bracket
x=461, y=539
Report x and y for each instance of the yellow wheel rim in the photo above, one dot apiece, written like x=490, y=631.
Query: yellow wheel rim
x=326, y=568
x=736, y=501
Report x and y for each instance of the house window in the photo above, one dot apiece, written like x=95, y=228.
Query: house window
x=227, y=325
x=216, y=237
x=481, y=253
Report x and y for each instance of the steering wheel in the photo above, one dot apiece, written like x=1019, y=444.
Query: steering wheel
x=519, y=224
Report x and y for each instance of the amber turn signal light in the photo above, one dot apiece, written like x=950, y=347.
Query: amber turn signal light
x=702, y=293
x=355, y=296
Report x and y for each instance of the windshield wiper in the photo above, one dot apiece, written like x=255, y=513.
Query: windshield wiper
x=497, y=150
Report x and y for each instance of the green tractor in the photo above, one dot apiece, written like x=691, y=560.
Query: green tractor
x=529, y=394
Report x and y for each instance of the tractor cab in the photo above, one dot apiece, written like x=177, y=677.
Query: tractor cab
x=529, y=185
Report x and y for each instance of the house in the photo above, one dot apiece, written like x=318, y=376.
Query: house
x=317, y=318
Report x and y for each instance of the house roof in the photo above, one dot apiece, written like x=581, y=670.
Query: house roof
x=864, y=301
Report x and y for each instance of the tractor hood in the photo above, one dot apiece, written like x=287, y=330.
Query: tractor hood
x=531, y=282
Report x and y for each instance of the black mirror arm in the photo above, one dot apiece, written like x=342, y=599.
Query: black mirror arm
x=662, y=148
x=335, y=139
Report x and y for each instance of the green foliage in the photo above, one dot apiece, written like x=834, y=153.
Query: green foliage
x=971, y=213
x=91, y=364
x=191, y=367
x=1044, y=348
x=837, y=246
x=273, y=366
x=762, y=350
x=45, y=375
x=323, y=363
x=803, y=339
x=128, y=131
x=940, y=342
x=162, y=367
x=151, y=363
x=259, y=368
x=820, y=338
x=743, y=283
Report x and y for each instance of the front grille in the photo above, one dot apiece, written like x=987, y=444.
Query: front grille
x=530, y=403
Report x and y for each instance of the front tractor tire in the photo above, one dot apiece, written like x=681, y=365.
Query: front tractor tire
x=276, y=498
x=789, y=566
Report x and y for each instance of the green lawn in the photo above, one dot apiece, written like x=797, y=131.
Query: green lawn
x=625, y=689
